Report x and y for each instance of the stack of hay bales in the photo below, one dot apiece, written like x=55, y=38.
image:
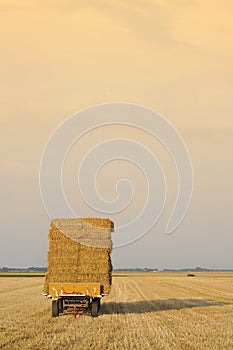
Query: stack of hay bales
x=79, y=251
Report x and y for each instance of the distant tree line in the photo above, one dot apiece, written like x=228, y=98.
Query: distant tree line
x=185, y=269
x=26, y=269
x=197, y=269
x=136, y=269
x=133, y=269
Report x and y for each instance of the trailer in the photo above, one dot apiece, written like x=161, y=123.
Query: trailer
x=75, y=297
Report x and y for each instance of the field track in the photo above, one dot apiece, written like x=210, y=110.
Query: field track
x=143, y=311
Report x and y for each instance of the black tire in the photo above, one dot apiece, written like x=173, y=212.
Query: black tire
x=60, y=305
x=99, y=303
x=95, y=307
x=55, y=309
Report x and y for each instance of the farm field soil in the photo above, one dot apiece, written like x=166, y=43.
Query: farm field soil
x=143, y=311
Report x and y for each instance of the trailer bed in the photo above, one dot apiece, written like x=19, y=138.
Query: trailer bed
x=75, y=289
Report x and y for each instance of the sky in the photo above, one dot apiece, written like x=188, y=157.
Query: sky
x=174, y=57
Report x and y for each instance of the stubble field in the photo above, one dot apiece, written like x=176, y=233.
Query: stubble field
x=143, y=311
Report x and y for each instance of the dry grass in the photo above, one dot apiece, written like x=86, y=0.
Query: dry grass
x=143, y=311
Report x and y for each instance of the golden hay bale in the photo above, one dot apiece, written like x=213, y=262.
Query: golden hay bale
x=79, y=251
x=92, y=232
x=99, y=222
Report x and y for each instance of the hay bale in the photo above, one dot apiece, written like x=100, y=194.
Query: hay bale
x=79, y=251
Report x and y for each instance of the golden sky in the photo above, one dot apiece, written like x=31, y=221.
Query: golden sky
x=175, y=57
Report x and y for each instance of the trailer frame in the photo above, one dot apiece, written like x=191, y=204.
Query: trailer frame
x=75, y=297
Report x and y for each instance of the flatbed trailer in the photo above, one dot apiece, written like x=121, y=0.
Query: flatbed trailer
x=74, y=297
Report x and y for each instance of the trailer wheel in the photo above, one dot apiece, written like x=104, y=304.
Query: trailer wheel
x=95, y=307
x=55, y=309
x=60, y=305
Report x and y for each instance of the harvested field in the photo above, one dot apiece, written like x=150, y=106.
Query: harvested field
x=143, y=311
